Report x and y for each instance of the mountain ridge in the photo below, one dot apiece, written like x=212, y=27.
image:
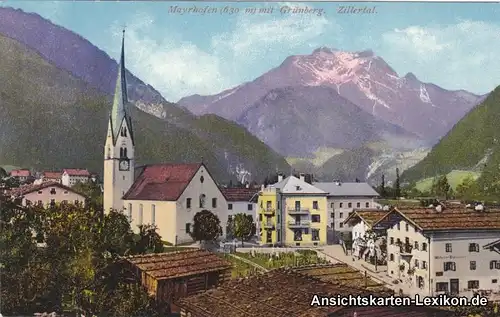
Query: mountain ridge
x=364, y=79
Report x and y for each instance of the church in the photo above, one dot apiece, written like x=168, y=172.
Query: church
x=165, y=195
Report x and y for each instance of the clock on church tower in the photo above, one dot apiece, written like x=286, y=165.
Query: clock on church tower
x=124, y=165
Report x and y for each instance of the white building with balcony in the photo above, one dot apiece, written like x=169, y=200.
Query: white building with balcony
x=343, y=198
x=454, y=251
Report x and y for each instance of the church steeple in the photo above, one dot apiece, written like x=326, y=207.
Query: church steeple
x=119, y=110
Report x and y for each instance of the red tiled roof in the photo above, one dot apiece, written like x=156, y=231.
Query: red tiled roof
x=448, y=219
x=369, y=216
x=20, y=173
x=76, y=172
x=239, y=194
x=52, y=175
x=164, y=182
x=26, y=189
x=179, y=264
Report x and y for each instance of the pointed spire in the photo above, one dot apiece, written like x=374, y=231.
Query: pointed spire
x=120, y=100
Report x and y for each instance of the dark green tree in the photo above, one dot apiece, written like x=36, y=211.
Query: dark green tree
x=3, y=173
x=93, y=191
x=381, y=188
x=206, y=227
x=243, y=227
x=149, y=241
x=397, y=185
x=441, y=188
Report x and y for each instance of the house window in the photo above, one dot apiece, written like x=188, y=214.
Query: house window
x=39, y=192
x=52, y=203
x=494, y=281
x=391, y=257
x=249, y=207
x=229, y=206
x=442, y=287
x=129, y=212
x=416, y=245
x=358, y=205
x=367, y=205
x=40, y=203
x=202, y=201
x=450, y=266
x=297, y=205
x=332, y=205
x=214, y=202
x=341, y=205
x=472, y=265
x=416, y=263
x=424, y=265
x=315, y=234
x=407, y=227
x=202, y=179
x=341, y=225
x=349, y=205
x=448, y=247
x=315, y=218
x=473, y=247
x=424, y=246
x=398, y=241
x=52, y=191
x=188, y=203
x=341, y=215
x=494, y=265
x=472, y=284
x=188, y=228
x=65, y=192
x=315, y=205
x=140, y=214
x=392, y=240
x=153, y=214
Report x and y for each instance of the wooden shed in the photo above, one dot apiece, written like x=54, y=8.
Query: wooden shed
x=174, y=275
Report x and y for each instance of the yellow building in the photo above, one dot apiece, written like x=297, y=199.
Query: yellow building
x=293, y=212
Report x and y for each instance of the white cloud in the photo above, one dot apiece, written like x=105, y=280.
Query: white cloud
x=178, y=68
x=453, y=56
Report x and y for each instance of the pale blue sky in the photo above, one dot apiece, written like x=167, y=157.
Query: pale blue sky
x=454, y=45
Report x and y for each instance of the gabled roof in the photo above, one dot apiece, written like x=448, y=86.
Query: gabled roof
x=368, y=216
x=171, y=265
x=239, y=194
x=163, y=182
x=428, y=219
x=347, y=189
x=293, y=185
x=20, y=173
x=52, y=175
x=76, y=172
x=26, y=189
x=492, y=244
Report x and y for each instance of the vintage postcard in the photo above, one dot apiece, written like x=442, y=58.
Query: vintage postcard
x=240, y=159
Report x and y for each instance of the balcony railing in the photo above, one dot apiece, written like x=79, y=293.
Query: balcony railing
x=405, y=249
x=268, y=225
x=299, y=224
x=268, y=211
x=297, y=211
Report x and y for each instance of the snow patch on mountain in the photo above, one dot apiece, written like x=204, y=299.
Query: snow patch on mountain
x=424, y=95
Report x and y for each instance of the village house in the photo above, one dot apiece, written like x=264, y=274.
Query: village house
x=71, y=176
x=169, y=195
x=49, y=177
x=444, y=250
x=21, y=175
x=366, y=238
x=293, y=212
x=171, y=276
x=343, y=198
x=242, y=200
x=290, y=292
x=165, y=195
x=47, y=194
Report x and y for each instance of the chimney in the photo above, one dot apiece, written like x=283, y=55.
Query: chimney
x=280, y=177
x=302, y=177
x=262, y=187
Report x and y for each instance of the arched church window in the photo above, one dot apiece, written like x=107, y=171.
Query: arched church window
x=202, y=201
x=109, y=153
x=124, y=131
x=125, y=152
x=121, y=152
